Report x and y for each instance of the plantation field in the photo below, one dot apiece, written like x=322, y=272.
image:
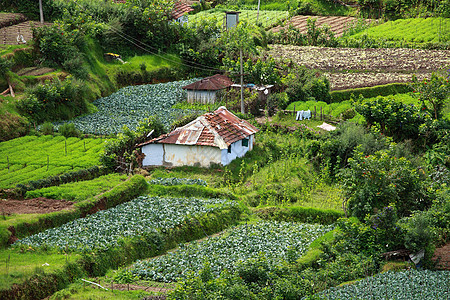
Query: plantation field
x=31, y=157
x=418, y=30
x=348, y=68
x=276, y=241
x=407, y=285
x=132, y=104
x=267, y=18
x=338, y=25
x=79, y=191
x=142, y=215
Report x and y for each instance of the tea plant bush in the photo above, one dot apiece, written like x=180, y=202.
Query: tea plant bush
x=79, y=191
x=143, y=215
x=26, y=158
x=132, y=104
x=277, y=241
x=412, y=284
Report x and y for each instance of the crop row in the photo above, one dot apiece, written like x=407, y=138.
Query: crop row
x=132, y=104
x=277, y=241
x=177, y=181
x=412, y=30
x=376, y=60
x=79, y=191
x=31, y=157
x=410, y=285
x=267, y=18
x=103, y=229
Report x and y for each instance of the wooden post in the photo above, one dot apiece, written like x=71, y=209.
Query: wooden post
x=321, y=114
x=294, y=111
x=315, y=112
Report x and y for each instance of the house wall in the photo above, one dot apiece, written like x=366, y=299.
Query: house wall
x=237, y=150
x=204, y=97
x=154, y=155
x=184, y=155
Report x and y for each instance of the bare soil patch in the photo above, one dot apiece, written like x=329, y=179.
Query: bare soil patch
x=33, y=206
x=8, y=19
x=34, y=71
x=442, y=257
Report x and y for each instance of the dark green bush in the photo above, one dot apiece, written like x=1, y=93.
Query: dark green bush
x=55, y=100
x=370, y=92
x=47, y=128
x=300, y=214
x=68, y=130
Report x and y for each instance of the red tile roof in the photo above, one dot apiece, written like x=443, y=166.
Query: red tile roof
x=180, y=9
x=212, y=83
x=217, y=129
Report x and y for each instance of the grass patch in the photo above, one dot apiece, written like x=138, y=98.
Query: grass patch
x=17, y=267
x=79, y=191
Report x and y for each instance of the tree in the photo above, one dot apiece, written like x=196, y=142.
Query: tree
x=432, y=93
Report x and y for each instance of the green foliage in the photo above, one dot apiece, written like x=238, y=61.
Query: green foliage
x=314, y=36
x=370, y=92
x=302, y=84
x=28, y=157
x=419, y=234
x=130, y=105
x=47, y=128
x=396, y=119
x=54, y=101
x=272, y=240
x=80, y=190
x=98, y=231
x=300, y=214
x=417, y=30
x=259, y=72
x=410, y=284
x=120, y=154
x=374, y=181
x=68, y=130
x=433, y=92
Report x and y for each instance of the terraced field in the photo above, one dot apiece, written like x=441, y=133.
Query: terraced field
x=337, y=24
x=353, y=67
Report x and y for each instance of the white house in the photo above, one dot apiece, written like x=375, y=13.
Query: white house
x=213, y=138
x=206, y=90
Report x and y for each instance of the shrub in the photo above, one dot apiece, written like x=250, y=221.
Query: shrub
x=54, y=100
x=374, y=181
x=68, y=130
x=47, y=128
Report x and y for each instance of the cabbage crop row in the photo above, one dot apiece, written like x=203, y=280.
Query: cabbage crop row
x=277, y=241
x=132, y=104
x=103, y=229
x=407, y=285
x=177, y=181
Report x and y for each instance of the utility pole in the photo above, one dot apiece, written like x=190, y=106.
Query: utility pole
x=242, y=85
x=257, y=14
x=41, y=12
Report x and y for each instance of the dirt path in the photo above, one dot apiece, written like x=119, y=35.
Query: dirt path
x=33, y=206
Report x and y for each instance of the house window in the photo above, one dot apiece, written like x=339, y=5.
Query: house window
x=245, y=143
x=229, y=149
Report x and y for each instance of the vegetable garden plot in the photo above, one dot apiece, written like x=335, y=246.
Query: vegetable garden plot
x=378, y=60
x=408, y=285
x=132, y=104
x=177, y=181
x=103, y=229
x=31, y=157
x=277, y=241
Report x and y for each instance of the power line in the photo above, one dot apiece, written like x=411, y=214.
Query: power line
x=128, y=37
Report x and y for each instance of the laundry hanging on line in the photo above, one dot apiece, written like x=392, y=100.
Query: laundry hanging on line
x=303, y=114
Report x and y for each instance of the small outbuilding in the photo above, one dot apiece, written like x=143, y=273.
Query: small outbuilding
x=207, y=90
x=180, y=11
x=213, y=138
